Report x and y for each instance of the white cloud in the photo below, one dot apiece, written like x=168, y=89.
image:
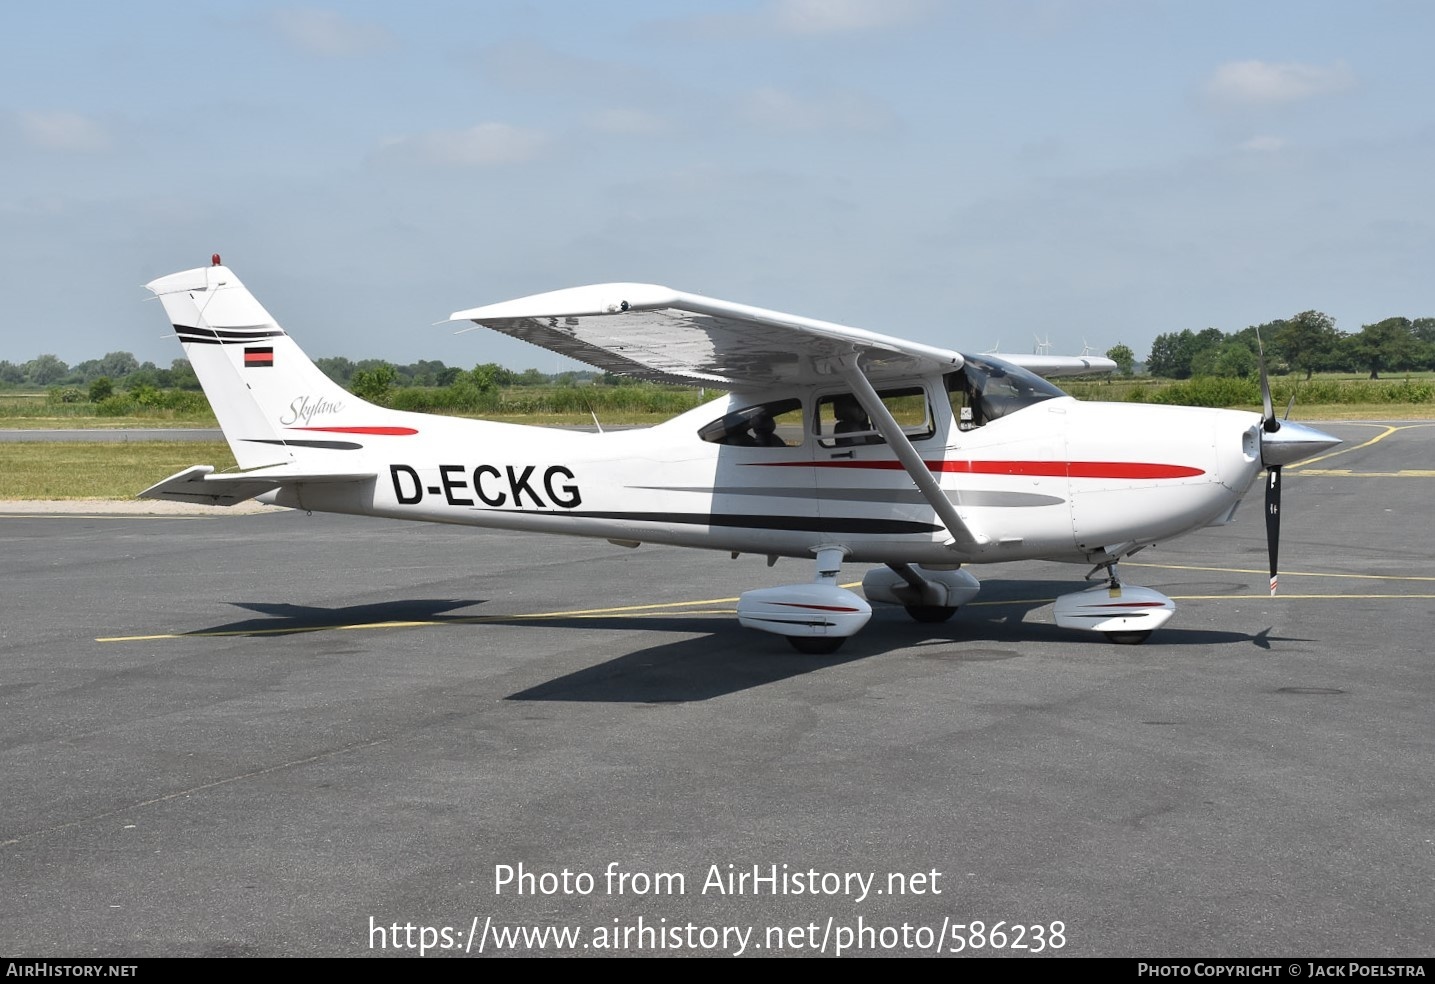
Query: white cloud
x=1264, y=144
x=484, y=145
x=63, y=131
x=844, y=16
x=778, y=109
x=1258, y=83
x=328, y=33
x=804, y=18
x=623, y=121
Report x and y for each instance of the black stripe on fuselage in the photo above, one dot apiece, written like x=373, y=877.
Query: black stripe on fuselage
x=796, y=524
x=326, y=445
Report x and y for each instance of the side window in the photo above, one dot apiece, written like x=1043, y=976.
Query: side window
x=841, y=421
x=764, y=425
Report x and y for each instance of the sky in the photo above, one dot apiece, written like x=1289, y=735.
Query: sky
x=974, y=174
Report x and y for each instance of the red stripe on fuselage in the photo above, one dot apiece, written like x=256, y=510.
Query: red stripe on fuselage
x=385, y=431
x=1035, y=469
x=816, y=608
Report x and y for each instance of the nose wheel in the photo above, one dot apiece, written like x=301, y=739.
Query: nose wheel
x=930, y=614
x=817, y=645
x=1127, y=638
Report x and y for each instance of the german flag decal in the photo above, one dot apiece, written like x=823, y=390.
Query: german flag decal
x=259, y=356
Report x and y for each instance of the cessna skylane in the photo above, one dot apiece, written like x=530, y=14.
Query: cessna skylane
x=833, y=444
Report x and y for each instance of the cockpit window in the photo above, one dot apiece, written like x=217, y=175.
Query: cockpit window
x=765, y=425
x=985, y=389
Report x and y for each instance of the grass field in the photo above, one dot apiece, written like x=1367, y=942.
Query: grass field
x=93, y=470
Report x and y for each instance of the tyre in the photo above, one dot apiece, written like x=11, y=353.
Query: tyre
x=930, y=613
x=817, y=645
x=1128, y=638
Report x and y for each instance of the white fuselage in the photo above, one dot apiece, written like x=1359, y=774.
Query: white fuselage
x=1060, y=480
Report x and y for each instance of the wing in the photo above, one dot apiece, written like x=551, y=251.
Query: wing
x=665, y=335
x=1049, y=366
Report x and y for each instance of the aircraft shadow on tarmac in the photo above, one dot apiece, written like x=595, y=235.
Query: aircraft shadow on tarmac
x=732, y=659
x=720, y=657
x=279, y=618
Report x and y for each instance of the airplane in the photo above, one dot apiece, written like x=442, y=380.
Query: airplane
x=834, y=444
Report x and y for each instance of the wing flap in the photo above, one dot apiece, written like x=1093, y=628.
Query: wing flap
x=198, y=483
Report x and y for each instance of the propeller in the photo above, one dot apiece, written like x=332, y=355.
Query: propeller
x=1270, y=425
x=1283, y=442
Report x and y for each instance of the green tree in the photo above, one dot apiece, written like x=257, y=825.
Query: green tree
x=373, y=384
x=118, y=365
x=1171, y=355
x=1388, y=344
x=1235, y=359
x=489, y=376
x=1120, y=354
x=337, y=368
x=182, y=375
x=1308, y=341
x=11, y=373
x=44, y=370
x=101, y=389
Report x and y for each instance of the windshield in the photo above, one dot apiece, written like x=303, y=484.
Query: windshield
x=985, y=389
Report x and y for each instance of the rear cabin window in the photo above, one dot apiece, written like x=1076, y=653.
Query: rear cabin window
x=776, y=424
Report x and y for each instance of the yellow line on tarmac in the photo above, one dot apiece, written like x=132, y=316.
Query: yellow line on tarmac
x=1304, y=466
x=705, y=608
x=1301, y=597
x=1350, y=473
x=1266, y=573
x=1255, y=596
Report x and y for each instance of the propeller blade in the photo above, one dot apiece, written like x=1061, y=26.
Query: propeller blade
x=1273, y=519
x=1269, y=421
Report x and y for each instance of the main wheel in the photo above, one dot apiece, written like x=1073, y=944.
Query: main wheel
x=1128, y=638
x=930, y=613
x=817, y=645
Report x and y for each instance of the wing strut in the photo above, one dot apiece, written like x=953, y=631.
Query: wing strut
x=964, y=538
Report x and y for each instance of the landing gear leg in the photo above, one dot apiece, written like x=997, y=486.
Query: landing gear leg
x=1113, y=588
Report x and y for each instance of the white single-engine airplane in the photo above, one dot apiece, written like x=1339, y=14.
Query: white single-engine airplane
x=834, y=444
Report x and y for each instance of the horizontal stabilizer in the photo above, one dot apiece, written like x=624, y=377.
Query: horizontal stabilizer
x=198, y=483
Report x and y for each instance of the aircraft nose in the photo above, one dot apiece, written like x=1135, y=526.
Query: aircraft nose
x=1293, y=442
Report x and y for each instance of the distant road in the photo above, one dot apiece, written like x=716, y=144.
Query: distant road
x=118, y=436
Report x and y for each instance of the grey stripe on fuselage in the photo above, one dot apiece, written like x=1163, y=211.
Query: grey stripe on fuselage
x=974, y=497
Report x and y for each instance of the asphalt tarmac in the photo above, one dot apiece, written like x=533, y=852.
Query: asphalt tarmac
x=278, y=734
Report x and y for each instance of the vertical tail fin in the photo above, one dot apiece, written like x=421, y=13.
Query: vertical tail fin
x=273, y=404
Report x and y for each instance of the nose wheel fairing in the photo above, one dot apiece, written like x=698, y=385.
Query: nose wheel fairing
x=1125, y=613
